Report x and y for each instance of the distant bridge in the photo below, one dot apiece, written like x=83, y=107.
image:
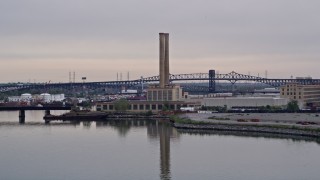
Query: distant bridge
x=211, y=77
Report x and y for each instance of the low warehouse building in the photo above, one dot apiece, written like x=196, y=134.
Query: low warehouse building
x=232, y=102
x=144, y=106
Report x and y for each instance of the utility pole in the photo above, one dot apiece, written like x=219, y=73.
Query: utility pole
x=74, y=76
x=141, y=84
x=70, y=81
x=266, y=74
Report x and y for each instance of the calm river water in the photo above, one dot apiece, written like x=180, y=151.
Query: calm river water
x=146, y=150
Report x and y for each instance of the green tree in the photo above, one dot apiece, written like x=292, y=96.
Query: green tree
x=204, y=108
x=2, y=97
x=121, y=105
x=268, y=107
x=225, y=108
x=149, y=113
x=86, y=104
x=292, y=106
x=166, y=106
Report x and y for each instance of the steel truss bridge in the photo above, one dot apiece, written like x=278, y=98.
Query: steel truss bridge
x=210, y=77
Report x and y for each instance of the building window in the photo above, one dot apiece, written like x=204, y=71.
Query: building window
x=160, y=107
x=141, y=107
x=165, y=95
x=149, y=96
x=154, y=107
x=155, y=97
x=147, y=107
x=110, y=107
x=170, y=95
x=160, y=96
x=177, y=94
x=105, y=107
x=135, y=107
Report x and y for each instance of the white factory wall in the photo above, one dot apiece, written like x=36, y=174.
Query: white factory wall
x=244, y=101
x=45, y=97
x=57, y=97
x=14, y=98
x=26, y=97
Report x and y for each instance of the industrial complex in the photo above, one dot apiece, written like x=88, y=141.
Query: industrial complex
x=167, y=95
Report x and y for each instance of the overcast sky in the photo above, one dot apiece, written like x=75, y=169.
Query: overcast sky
x=42, y=40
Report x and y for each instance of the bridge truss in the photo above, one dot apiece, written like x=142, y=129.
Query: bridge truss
x=210, y=77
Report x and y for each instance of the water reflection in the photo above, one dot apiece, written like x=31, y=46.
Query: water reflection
x=87, y=124
x=122, y=126
x=37, y=124
x=157, y=130
x=164, y=131
x=161, y=134
x=22, y=119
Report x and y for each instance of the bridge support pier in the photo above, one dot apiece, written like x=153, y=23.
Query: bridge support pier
x=22, y=116
x=47, y=112
x=212, y=81
x=232, y=87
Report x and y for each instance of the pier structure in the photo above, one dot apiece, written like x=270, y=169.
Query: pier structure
x=22, y=110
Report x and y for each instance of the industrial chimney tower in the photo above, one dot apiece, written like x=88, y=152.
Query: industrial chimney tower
x=164, y=59
x=165, y=91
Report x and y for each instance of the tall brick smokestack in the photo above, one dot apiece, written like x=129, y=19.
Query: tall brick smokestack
x=164, y=59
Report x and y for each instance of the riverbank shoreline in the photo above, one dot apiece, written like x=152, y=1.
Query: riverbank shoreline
x=99, y=116
x=250, y=128
x=307, y=125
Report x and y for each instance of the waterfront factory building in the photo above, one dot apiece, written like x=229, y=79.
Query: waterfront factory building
x=307, y=96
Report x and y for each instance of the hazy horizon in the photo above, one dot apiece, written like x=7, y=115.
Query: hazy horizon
x=45, y=40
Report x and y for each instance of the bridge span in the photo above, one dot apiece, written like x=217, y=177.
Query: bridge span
x=210, y=77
